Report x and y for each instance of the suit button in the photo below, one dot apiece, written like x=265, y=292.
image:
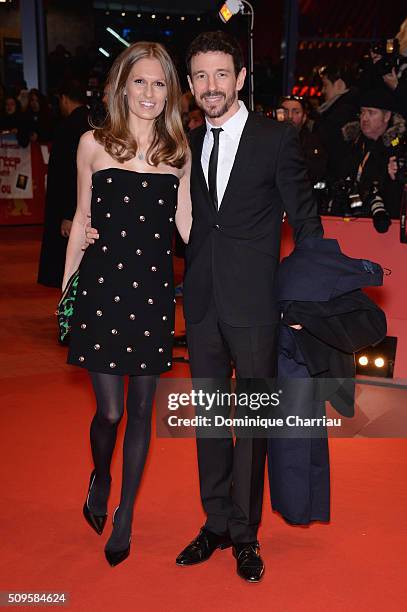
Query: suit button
x=216, y=226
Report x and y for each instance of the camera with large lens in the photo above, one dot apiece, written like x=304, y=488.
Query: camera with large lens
x=389, y=49
x=375, y=203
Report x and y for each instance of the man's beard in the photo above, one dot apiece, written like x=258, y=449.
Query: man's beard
x=215, y=113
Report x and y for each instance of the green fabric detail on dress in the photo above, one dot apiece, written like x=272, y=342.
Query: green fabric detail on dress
x=66, y=306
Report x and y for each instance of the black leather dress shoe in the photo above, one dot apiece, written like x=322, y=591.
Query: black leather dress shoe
x=203, y=547
x=249, y=565
x=96, y=521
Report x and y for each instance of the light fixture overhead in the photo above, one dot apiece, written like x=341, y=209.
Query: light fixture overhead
x=230, y=8
x=119, y=38
x=104, y=52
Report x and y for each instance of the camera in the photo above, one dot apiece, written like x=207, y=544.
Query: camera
x=375, y=202
x=389, y=49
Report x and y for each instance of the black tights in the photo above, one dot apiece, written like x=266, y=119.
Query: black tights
x=109, y=391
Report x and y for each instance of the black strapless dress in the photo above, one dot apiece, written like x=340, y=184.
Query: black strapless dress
x=123, y=321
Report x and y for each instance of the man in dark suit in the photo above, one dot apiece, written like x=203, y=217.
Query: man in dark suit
x=61, y=183
x=246, y=172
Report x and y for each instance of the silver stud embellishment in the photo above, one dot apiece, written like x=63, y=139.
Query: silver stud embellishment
x=129, y=349
x=132, y=317
x=99, y=313
x=98, y=199
x=144, y=184
x=96, y=347
x=117, y=298
x=146, y=333
x=112, y=364
x=135, y=284
x=169, y=364
x=139, y=252
x=123, y=234
x=126, y=199
x=108, y=215
x=114, y=332
x=101, y=279
x=175, y=185
x=143, y=365
x=165, y=284
x=150, y=301
x=156, y=236
x=161, y=202
x=84, y=292
x=160, y=350
x=168, y=252
x=170, y=219
x=172, y=332
x=81, y=358
x=153, y=269
x=83, y=325
x=164, y=317
x=142, y=218
x=120, y=266
x=108, y=180
x=104, y=248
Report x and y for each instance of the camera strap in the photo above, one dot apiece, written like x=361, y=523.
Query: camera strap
x=362, y=165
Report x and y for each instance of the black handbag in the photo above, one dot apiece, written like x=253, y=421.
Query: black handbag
x=66, y=307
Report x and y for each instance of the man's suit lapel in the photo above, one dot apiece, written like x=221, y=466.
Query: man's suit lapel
x=196, y=142
x=244, y=154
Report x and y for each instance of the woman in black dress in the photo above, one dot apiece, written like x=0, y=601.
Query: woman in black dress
x=133, y=180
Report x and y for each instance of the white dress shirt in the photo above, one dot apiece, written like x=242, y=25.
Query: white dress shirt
x=228, y=144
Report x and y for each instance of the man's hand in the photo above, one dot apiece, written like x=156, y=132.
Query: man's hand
x=391, y=79
x=91, y=235
x=66, y=227
x=392, y=167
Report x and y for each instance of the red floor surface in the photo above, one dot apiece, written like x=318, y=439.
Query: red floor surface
x=358, y=562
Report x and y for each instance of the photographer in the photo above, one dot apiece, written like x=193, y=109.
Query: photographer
x=387, y=67
x=296, y=111
x=341, y=105
x=366, y=187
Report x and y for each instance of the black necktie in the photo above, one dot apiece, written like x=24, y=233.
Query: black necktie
x=213, y=166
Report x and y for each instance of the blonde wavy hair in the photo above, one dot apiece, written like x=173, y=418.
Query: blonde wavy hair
x=169, y=145
x=402, y=36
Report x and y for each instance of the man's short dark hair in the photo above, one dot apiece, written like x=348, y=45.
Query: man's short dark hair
x=333, y=72
x=216, y=41
x=74, y=90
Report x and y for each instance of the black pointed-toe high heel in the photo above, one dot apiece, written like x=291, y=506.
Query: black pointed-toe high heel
x=114, y=557
x=96, y=521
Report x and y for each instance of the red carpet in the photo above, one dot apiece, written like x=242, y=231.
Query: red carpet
x=356, y=563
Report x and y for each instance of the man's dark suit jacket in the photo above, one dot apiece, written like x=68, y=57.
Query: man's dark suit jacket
x=233, y=253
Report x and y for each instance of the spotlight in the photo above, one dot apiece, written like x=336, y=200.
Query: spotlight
x=104, y=52
x=378, y=360
x=230, y=8
x=116, y=35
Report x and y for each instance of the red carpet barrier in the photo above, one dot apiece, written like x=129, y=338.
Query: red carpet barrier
x=22, y=170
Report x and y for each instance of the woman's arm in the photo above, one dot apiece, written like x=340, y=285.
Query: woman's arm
x=183, y=216
x=74, y=251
